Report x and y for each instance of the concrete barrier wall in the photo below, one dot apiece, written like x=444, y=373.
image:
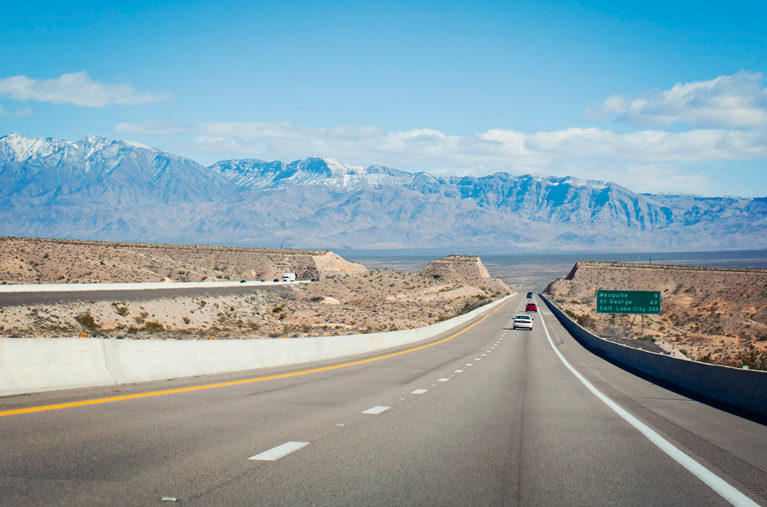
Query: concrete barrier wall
x=742, y=389
x=34, y=364
x=81, y=287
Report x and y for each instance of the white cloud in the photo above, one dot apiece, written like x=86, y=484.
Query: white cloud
x=737, y=101
x=15, y=114
x=75, y=88
x=644, y=161
x=432, y=149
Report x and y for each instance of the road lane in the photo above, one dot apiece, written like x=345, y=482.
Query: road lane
x=514, y=428
x=40, y=298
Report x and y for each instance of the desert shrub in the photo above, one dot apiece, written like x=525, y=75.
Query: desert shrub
x=122, y=311
x=473, y=305
x=753, y=358
x=86, y=320
x=153, y=327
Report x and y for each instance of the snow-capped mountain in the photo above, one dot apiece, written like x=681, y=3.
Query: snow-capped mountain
x=257, y=174
x=97, y=188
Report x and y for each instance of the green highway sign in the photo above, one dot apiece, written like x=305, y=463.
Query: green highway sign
x=628, y=301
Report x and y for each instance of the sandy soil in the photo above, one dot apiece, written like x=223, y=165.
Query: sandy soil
x=28, y=260
x=347, y=299
x=709, y=314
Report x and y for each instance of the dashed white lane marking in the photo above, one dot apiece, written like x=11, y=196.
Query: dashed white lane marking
x=418, y=391
x=169, y=499
x=340, y=425
x=458, y=371
x=376, y=410
x=443, y=379
x=278, y=452
x=469, y=364
x=483, y=355
x=712, y=480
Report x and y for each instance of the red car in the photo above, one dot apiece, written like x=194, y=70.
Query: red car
x=531, y=307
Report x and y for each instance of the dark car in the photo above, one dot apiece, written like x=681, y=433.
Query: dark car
x=243, y=281
x=531, y=307
x=529, y=295
x=276, y=280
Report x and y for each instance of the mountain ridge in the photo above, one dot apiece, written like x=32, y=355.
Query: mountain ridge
x=99, y=188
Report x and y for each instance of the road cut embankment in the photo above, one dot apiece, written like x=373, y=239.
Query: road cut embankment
x=30, y=365
x=744, y=390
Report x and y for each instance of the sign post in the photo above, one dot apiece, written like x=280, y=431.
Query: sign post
x=637, y=302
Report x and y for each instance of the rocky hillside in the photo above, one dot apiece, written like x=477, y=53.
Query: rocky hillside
x=341, y=303
x=463, y=269
x=709, y=314
x=104, y=189
x=28, y=260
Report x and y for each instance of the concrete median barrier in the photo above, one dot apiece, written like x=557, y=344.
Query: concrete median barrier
x=744, y=390
x=86, y=287
x=30, y=365
x=33, y=365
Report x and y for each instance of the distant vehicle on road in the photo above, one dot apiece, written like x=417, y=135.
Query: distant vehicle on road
x=276, y=280
x=243, y=281
x=522, y=322
x=529, y=295
x=531, y=307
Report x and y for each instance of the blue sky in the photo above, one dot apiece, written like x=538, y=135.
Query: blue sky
x=657, y=96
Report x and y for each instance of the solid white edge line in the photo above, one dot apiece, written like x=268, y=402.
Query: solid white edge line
x=376, y=410
x=278, y=452
x=713, y=481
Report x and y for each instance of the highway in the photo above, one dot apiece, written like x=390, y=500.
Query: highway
x=483, y=416
x=33, y=297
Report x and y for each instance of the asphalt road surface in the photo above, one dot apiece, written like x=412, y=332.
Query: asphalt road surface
x=490, y=416
x=37, y=298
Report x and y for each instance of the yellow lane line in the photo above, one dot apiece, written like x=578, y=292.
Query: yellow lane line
x=97, y=401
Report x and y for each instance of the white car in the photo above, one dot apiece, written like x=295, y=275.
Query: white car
x=522, y=322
